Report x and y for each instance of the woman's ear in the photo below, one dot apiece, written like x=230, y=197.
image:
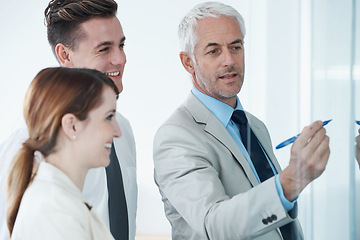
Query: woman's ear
x=70, y=125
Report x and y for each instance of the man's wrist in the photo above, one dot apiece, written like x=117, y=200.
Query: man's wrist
x=288, y=205
x=291, y=188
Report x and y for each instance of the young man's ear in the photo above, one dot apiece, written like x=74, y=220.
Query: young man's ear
x=187, y=62
x=71, y=125
x=63, y=55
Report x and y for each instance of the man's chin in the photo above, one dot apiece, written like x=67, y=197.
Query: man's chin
x=118, y=83
x=119, y=87
x=230, y=94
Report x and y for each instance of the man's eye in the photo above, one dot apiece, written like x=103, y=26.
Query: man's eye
x=236, y=48
x=104, y=49
x=212, y=51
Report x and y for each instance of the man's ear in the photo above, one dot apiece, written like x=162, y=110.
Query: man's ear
x=187, y=62
x=63, y=55
x=71, y=125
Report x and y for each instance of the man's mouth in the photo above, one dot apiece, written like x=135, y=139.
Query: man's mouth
x=112, y=74
x=228, y=76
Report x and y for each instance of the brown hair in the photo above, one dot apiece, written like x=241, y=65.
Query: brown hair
x=53, y=93
x=63, y=19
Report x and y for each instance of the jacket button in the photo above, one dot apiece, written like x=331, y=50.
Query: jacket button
x=274, y=217
x=265, y=221
x=269, y=219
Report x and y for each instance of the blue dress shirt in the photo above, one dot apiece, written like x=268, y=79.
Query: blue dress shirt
x=223, y=112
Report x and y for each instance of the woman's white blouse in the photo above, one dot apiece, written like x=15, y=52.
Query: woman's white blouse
x=54, y=208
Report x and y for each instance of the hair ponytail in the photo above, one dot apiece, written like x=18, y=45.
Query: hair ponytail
x=19, y=178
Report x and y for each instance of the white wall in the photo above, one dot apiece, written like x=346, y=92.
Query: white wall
x=25, y=52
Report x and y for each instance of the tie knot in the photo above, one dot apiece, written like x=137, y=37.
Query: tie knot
x=239, y=117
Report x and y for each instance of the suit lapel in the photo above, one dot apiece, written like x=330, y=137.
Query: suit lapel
x=213, y=126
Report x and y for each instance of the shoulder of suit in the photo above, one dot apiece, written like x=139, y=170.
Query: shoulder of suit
x=126, y=130
x=122, y=121
x=121, y=117
x=180, y=116
x=254, y=120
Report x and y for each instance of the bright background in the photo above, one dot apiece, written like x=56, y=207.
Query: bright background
x=302, y=64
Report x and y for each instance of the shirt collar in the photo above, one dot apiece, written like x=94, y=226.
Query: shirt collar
x=221, y=110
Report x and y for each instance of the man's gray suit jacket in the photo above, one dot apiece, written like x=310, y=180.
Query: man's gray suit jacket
x=208, y=188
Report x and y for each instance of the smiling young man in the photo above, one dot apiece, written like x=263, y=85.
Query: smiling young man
x=102, y=48
x=214, y=164
x=87, y=34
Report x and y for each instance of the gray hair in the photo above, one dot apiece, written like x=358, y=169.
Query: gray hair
x=186, y=31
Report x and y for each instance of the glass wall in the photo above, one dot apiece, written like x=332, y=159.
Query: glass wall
x=355, y=85
x=311, y=53
x=331, y=210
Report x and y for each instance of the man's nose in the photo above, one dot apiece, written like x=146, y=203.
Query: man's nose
x=119, y=57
